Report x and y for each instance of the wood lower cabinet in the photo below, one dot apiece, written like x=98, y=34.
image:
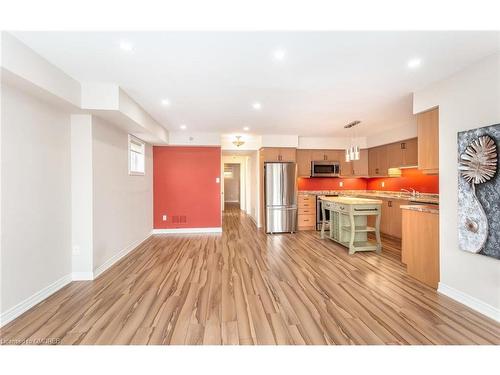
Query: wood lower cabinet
x=428, y=141
x=420, y=245
x=390, y=219
x=306, y=218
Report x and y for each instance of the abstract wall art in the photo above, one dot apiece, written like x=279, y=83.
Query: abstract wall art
x=479, y=191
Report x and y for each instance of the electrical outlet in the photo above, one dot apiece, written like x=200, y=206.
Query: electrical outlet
x=383, y=184
x=341, y=183
x=164, y=218
x=217, y=180
x=76, y=250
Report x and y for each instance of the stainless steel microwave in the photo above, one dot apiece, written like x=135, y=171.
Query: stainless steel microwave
x=325, y=168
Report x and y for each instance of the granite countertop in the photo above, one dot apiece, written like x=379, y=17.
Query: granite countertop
x=351, y=200
x=432, y=209
x=422, y=197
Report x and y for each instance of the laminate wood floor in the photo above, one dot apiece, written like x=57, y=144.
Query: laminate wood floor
x=246, y=287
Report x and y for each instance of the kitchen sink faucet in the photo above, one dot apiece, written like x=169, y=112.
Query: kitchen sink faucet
x=413, y=192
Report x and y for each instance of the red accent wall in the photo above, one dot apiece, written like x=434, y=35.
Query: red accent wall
x=319, y=183
x=184, y=184
x=411, y=178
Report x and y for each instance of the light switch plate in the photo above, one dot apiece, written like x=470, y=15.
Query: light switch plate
x=217, y=180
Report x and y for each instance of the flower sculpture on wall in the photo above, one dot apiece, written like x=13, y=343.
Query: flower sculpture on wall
x=477, y=165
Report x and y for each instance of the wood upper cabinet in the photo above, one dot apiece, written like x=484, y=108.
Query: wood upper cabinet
x=355, y=168
x=331, y=155
x=410, y=152
x=278, y=154
x=428, y=141
x=288, y=154
x=402, y=154
x=378, y=161
x=360, y=167
x=304, y=158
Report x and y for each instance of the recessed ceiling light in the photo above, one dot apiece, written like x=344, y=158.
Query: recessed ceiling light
x=414, y=63
x=165, y=102
x=257, y=106
x=126, y=46
x=279, y=54
x=183, y=127
x=246, y=128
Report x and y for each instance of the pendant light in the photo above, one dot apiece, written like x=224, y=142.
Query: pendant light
x=352, y=152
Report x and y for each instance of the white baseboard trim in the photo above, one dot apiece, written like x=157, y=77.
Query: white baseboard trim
x=31, y=301
x=82, y=276
x=187, y=230
x=115, y=258
x=469, y=301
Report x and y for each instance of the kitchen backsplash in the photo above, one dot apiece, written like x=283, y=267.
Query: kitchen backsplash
x=410, y=178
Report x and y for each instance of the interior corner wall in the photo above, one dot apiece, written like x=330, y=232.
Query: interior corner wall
x=467, y=100
x=35, y=199
x=122, y=204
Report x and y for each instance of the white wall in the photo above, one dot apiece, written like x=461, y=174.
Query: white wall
x=241, y=160
x=280, y=140
x=232, y=183
x=36, y=197
x=467, y=100
x=122, y=204
x=406, y=131
x=189, y=138
x=254, y=168
x=25, y=63
x=330, y=142
x=81, y=197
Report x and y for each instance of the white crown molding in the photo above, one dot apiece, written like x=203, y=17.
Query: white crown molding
x=469, y=301
x=187, y=230
x=33, y=300
x=115, y=258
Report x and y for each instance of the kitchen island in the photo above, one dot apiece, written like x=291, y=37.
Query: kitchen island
x=349, y=224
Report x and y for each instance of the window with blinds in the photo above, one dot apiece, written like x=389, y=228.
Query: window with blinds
x=136, y=162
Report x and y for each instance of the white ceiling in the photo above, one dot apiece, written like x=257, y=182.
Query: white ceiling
x=326, y=80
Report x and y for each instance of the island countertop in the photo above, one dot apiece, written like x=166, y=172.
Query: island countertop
x=351, y=200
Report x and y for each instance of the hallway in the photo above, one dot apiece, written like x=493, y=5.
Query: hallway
x=245, y=287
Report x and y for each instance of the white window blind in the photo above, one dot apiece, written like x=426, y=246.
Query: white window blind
x=136, y=150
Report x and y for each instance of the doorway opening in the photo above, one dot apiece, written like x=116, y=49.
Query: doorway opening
x=232, y=184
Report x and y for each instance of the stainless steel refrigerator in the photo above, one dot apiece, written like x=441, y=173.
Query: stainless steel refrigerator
x=281, y=197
